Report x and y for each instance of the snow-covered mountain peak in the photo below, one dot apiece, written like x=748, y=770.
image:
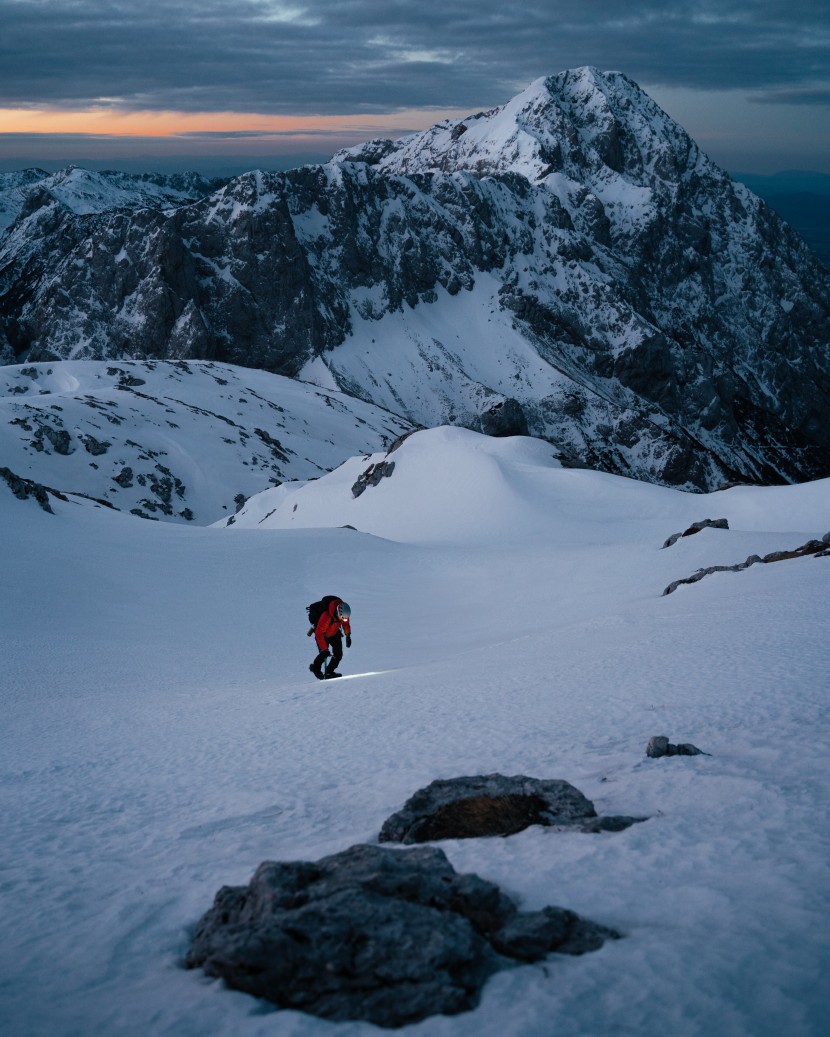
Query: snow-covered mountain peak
x=582, y=124
x=567, y=265
x=85, y=191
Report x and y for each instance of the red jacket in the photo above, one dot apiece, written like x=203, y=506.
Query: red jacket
x=328, y=625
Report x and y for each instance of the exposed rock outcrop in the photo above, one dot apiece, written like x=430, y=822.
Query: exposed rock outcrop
x=23, y=489
x=388, y=936
x=493, y=804
x=372, y=476
x=696, y=528
x=504, y=418
x=659, y=745
x=818, y=548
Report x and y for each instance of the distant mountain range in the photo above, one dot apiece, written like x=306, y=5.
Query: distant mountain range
x=84, y=192
x=569, y=265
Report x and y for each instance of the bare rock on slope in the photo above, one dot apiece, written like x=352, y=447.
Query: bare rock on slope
x=493, y=804
x=388, y=936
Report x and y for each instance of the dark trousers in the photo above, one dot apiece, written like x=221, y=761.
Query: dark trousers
x=336, y=645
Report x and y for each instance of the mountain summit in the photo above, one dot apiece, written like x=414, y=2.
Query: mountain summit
x=569, y=265
x=582, y=124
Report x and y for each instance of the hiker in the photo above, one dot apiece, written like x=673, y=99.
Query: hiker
x=331, y=623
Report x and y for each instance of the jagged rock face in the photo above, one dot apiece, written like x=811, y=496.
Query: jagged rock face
x=572, y=256
x=14, y=187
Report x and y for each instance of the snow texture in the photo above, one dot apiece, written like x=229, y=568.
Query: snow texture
x=162, y=736
x=185, y=441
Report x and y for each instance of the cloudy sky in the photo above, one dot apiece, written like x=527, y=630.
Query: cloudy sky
x=220, y=85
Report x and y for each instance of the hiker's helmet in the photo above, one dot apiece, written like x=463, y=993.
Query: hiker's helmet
x=343, y=610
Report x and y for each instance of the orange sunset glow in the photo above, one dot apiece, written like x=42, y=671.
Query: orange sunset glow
x=116, y=123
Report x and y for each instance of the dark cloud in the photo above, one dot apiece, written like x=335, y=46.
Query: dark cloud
x=819, y=97
x=337, y=57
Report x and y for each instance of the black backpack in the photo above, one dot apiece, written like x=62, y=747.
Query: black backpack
x=317, y=608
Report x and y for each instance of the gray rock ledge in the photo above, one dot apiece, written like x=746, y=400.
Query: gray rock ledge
x=816, y=548
x=696, y=528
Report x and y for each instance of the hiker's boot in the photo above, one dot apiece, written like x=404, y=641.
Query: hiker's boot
x=318, y=664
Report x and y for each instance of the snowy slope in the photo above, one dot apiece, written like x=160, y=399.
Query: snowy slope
x=454, y=358
x=162, y=736
x=179, y=441
x=456, y=486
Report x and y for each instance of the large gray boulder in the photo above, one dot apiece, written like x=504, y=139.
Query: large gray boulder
x=389, y=936
x=493, y=804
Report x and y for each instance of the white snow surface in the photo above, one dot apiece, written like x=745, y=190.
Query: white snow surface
x=193, y=435
x=162, y=736
x=455, y=356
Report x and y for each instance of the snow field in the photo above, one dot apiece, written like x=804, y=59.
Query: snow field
x=437, y=359
x=200, y=423
x=162, y=736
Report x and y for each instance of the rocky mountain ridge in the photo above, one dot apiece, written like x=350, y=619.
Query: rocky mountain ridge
x=83, y=191
x=568, y=265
